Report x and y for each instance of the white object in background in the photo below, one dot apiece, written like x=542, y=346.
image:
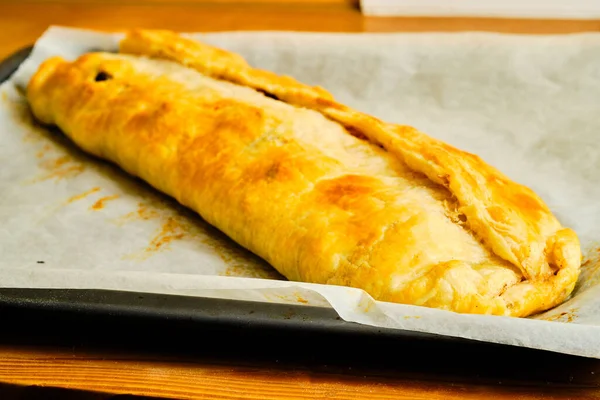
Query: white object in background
x=547, y=9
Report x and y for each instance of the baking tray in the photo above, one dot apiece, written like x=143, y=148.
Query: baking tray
x=276, y=332
x=234, y=314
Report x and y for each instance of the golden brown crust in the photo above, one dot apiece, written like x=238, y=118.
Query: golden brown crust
x=219, y=64
x=509, y=217
x=294, y=187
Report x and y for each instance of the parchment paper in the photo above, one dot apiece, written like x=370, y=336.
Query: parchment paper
x=528, y=105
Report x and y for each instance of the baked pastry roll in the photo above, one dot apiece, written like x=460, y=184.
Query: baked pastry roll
x=324, y=193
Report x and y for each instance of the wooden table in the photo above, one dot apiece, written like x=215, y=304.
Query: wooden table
x=23, y=367
x=23, y=21
x=160, y=377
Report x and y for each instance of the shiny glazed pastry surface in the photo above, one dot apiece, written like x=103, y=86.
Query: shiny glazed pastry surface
x=324, y=193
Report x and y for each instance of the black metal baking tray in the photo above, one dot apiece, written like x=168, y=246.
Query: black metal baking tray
x=226, y=313
x=251, y=330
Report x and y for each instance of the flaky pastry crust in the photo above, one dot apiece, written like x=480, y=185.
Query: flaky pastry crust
x=324, y=193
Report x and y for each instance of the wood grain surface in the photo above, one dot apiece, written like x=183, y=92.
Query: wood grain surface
x=21, y=22
x=144, y=376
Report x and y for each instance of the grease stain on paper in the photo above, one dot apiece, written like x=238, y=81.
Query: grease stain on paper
x=81, y=196
x=54, y=163
x=63, y=167
x=70, y=171
x=178, y=223
x=301, y=299
x=566, y=316
x=43, y=151
x=590, y=270
x=101, y=202
x=291, y=298
x=143, y=213
x=169, y=232
x=57, y=157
